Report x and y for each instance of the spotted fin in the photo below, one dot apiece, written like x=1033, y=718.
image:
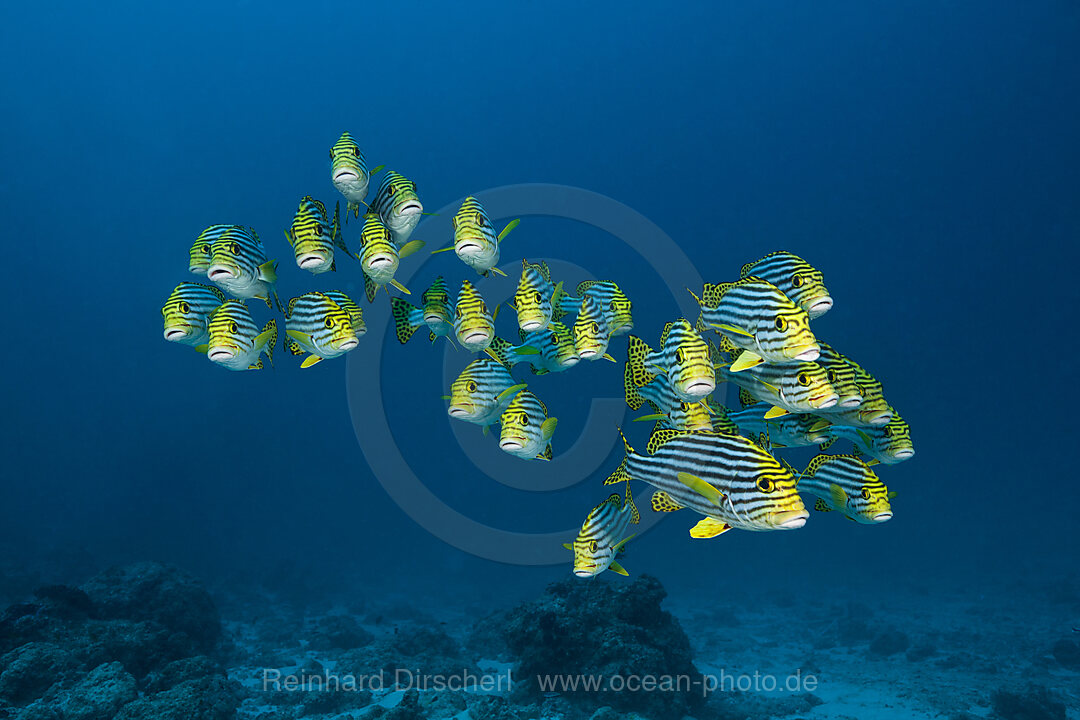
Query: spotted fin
x=547, y=454
x=403, y=326
x=267, y=339
x=822, y=506
x=370, y=288
x=662, y=503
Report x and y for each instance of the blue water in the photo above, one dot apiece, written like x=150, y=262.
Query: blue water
x=923, y=155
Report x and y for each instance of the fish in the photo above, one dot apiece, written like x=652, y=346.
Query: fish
x=349, y=173
x=436, y=312
x=238, y=265
x=796, y=278
x=844, y=483
x=669, y=410
x=313, y=237
x=398, y=206
x=474, y=326
x=873, y=411
x=526, y=428
x=475, y=241
x=547, y=351
x=760, y=319
x=683, y=358
x=790, y=430
x=482, y=392
x=603, y=536
x=727, y=478
x=842, y=376
x=379, y=256
x=591, y=331
x=536, y=300
x=187, y=313
x=794, y=388
x=202, y=249
x=356, y=315
x=235, y=340
x=614, y=303
x=889, y=444
x=316, y=323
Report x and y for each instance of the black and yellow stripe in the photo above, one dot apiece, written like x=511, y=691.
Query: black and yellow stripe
x=796, y=278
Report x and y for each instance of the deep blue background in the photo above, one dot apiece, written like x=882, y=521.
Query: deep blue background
x=923, y=155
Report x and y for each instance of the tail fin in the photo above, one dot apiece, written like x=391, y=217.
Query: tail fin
x=499, y=350
x=635, y=516
x=370, y=288
x=268, y=337
x=339, y=240
x=635, y=360
x=620, y=474
x=403, y=325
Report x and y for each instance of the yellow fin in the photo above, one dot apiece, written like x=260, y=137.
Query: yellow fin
x=701, y=487
x=311, y=360
x=497, y=271
x=608, y=357
x=661, y=502
x=568, y=546
x=268, y=272
x=775, y=412
x=547, y=428
x=654, y=416
x=839, y=497
x=440, y=250
x=746, y=360
x=509, y=226
x=526, y=350
x=734, y=330
x=820, y=425
x=510, y=391
x=299, y=336
x=202, y=348
x=400, y=287
x=377, y=169
x=410, y=247
x=617, y=568
x=709, y=527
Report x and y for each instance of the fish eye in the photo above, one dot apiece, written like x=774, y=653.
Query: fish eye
x=797, y=281
x=781, y=324
x=328, y=323
x=866, y=493
x=593, y=546
x=233, y=327
x=804, y=379
x=234, y=248
x=471, y=386
x=765, y=485
x=525, y=419
x=596, y=327
x=185, y=308
x=206, y=249
x=480, y=220
x=539, y=298
x=356, y=151
x=318, y=229
x=831, y=374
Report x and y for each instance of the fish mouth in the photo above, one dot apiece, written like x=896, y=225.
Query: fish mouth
x=468, y=247
x=459, y=411
x=413, y=207
x=904, y=454
x=810, y=354
x=348, y=344
x=792, y=520
x=820, y=307
x=586, y=354
x=220, y=272
x=476, y=337
x=310, y=260
x=700, y=388
x=584, y=573
x=219, y=353
x=378, y=262
x=882, y=517
x=877, y=417
x=172, y=334
x=821, y=402
x=510, y=445
x=570, y=361
x=851, y=401
x=346, y=175
x=531, y=325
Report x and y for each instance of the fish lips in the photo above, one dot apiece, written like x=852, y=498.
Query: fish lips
x=460, y=412
x=381, y=261
x=220, y=353
x=791, y=520
x=512, y=445
x=819, y=307
x=877, y=418
x=697, y=389
x=851, y=401
x=468, y=248
x=346, y=175
x=808, y=354
x=531, y=325
x=475, y=338
x=882, y=517
x=904, y=454
x=221, y=272
x=348, y=344
x=175, y=334
x=308, y=261
x=410, y=208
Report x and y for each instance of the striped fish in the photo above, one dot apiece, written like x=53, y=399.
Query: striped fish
x=547, y=351
x=591, y=331
x=727, y=478
x=794, y=388
x=841, y=374
x=379, y=256
x=235, y=340
x=239, y=266
x=683, y=358
x=475, y=241
x=874, y=411
x=889, y=444
x=757, y=317
x=317, y=324
x=437, y=314
x=474, y=326
x=202, y=249
x=482, y=392
x=187, y=311
x=536, y=298
x=603, y=536
x=349, y=173
x=614, y=303
x=313, y=237
x=526, y=428
x=356, y=315
x=844, y=483
x=669, y=410
x=796, y=278
x=791, y=430
x=398, y=206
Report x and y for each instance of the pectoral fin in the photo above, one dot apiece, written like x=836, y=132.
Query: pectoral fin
x=510, y=392
x=775, y=412
x=400, y=287
x=702, y=488
x=709, y=527
x=746, y=360
x=410, y=247
x=617, y=568
x=509, y=226
x=311, y=360
x=547, y=428
x=839, y=497
x=733, y=330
